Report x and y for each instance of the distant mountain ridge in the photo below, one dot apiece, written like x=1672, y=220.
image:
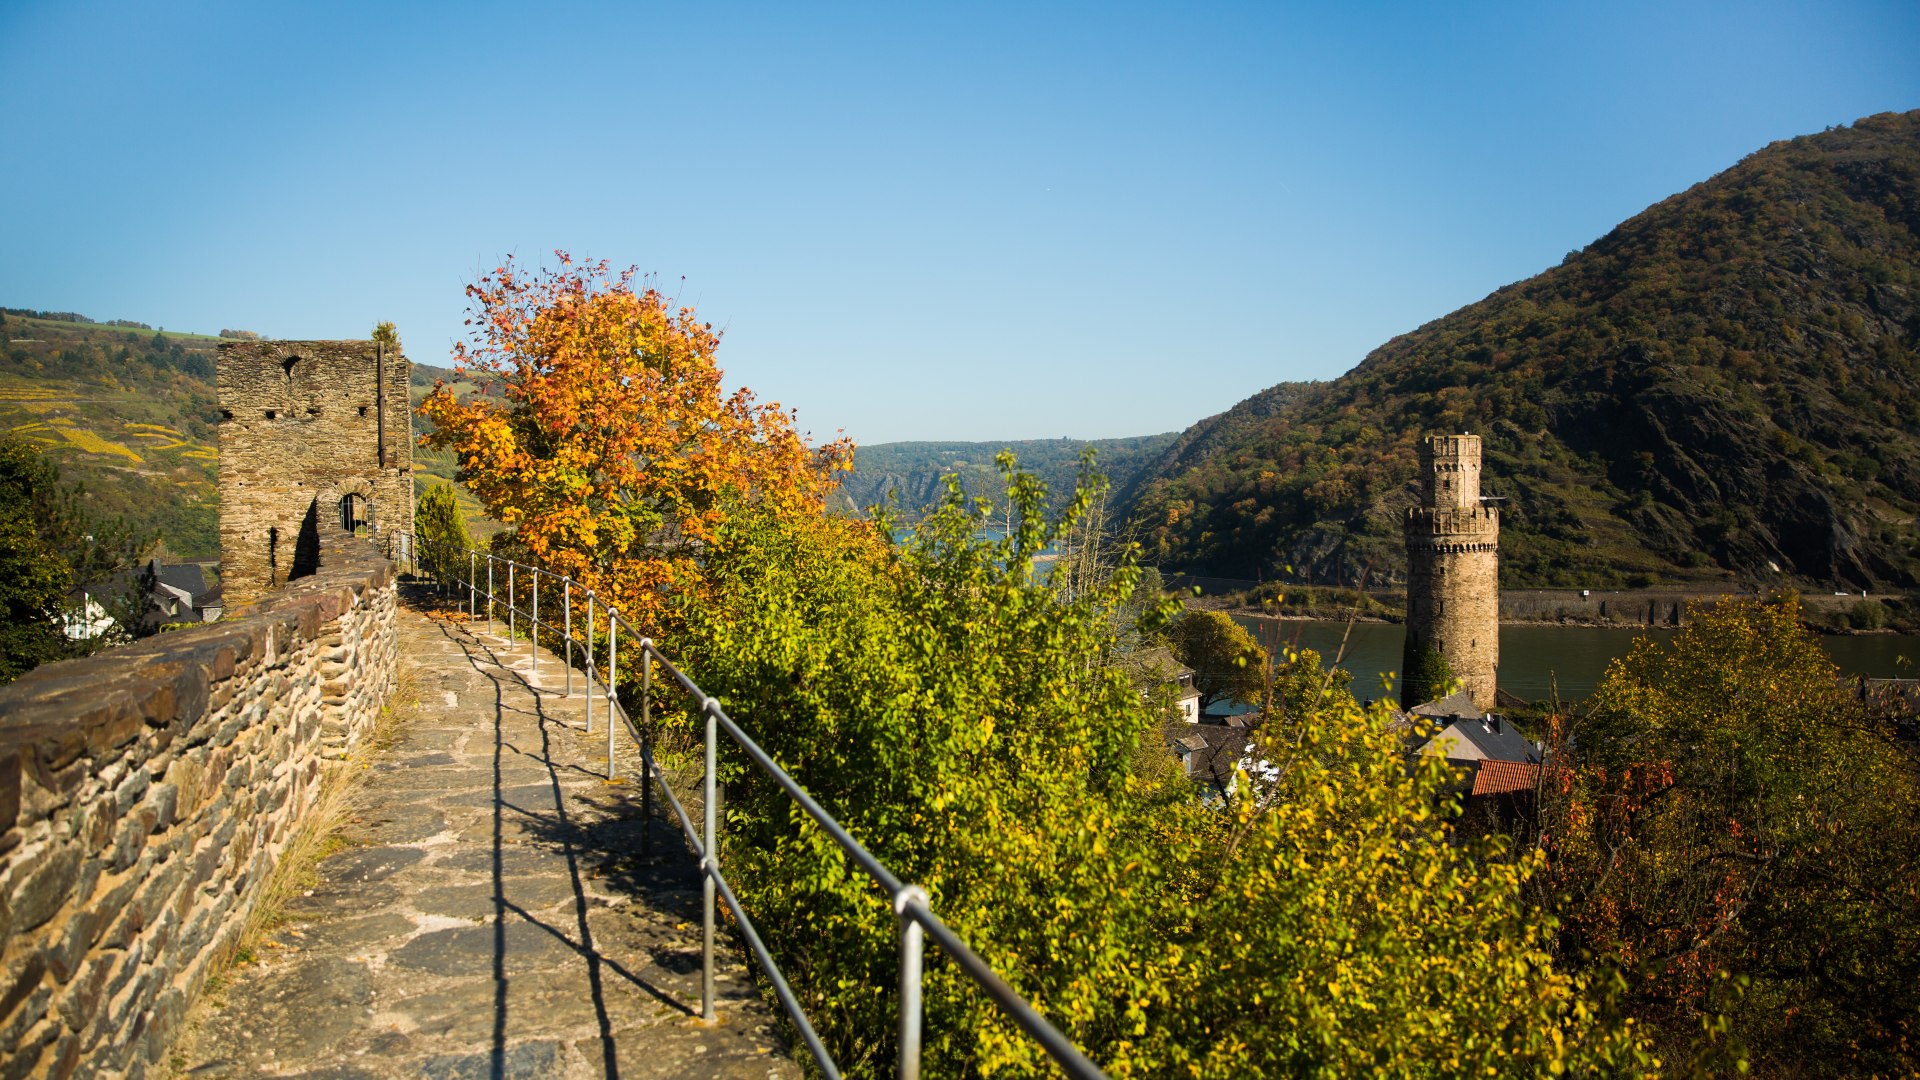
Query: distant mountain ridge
x=1725, y=388
x=910, y=473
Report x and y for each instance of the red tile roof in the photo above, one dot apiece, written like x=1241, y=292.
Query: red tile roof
x=1505, y=777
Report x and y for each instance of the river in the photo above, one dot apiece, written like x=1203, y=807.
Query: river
x=1534, y=658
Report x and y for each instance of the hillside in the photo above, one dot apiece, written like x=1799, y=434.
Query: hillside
x=1724, y=388
x=130, y=412
x=912, y=471
x=125, y=410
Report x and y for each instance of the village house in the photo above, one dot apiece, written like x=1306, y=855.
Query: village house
x=1165, y=679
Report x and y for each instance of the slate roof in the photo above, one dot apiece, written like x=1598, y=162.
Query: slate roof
x=187, y=577
x=1211, y=750
x=1159, y=663
x=1455, y=704
x=1496, y=739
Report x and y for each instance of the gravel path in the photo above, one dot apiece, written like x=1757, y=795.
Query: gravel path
x=490, y=915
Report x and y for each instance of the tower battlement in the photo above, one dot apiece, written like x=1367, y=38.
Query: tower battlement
x=1447, y=521
x=1453, y=574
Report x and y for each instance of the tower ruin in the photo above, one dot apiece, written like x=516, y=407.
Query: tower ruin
x=307, y=428
x=1453, y=575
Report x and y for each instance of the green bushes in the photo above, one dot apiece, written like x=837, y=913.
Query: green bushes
x=441, y=531
x=956, y=714
x=1867, y=615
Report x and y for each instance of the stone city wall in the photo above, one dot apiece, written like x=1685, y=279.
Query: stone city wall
x=147, y=792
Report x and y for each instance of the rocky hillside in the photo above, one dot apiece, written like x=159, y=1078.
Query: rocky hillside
x=1724, y=388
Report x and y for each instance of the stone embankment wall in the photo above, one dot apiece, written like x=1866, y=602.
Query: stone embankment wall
x=1626, y=607
x=146, y=793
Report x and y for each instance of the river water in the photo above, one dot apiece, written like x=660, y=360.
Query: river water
x=1534, y=658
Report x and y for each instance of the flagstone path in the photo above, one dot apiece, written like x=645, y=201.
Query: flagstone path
x=490, y=915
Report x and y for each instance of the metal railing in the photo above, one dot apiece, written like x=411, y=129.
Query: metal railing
x=914, y=918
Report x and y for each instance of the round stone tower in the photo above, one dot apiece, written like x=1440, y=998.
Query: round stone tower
x=1453, y=575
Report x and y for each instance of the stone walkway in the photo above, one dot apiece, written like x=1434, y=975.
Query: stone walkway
x=490, y=915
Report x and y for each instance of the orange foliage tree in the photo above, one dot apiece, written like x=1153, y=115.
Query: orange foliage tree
x=602, y=435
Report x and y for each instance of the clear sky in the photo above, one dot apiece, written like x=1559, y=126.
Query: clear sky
x=975, y=221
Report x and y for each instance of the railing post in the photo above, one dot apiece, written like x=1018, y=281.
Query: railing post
x=533, y=628
x=613, y=702
x=473, y=585
x=590, y=667
x=646, y=746
x=912, y=957
x=513, y=609
x=709, y=865
x=566, y=601
x=489, y=594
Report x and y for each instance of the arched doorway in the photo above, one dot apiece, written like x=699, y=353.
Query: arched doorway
x=355, y=512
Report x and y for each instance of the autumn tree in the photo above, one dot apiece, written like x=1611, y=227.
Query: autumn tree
x=605, y=440
x=1228, y=664
x=1736, y=835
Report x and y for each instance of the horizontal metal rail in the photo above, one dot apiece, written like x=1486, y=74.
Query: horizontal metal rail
x=457, y=568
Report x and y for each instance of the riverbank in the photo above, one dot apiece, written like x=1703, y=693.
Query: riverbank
x=1843, y=614
x=1542, y=661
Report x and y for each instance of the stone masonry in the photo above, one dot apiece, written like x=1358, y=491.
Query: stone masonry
x=495, y=907
x=147, y=792
x=307, y=428
x=1453, y=580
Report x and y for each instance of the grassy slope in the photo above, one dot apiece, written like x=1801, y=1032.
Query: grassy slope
x=1726, y=384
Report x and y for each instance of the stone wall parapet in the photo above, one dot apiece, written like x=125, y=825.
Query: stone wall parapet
x=147, y=792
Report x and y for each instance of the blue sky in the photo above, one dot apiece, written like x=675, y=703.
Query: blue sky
x=935, y=222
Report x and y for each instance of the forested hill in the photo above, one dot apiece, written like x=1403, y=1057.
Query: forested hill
x=1725, y=387
x=912, y=471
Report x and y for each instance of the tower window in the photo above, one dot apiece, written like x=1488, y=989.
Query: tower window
x=272, y=415
x=363, y=410
x=226, y=414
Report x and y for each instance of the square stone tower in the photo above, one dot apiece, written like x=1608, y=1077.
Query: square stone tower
x=1453, y=574
x=307, y=428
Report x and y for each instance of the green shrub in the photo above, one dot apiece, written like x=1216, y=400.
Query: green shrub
x=957, y=715
x=1867, y=615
